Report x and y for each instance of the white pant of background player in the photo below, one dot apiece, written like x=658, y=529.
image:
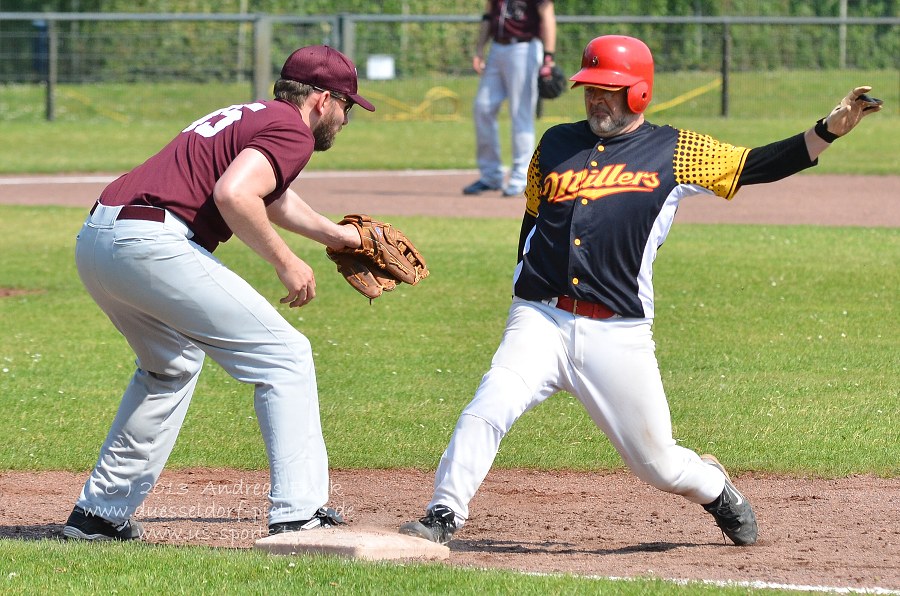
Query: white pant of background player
x=609, y=365
x=174, y=302
x=510, y=74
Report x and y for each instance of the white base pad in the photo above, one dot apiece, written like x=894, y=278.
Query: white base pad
x=370, y=544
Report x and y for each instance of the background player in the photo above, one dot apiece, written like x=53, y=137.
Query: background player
x=521, y=32
x=602, y=194
x=145, y=256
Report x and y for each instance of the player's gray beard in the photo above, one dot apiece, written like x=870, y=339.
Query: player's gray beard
x=326, y=130
x=604, y=126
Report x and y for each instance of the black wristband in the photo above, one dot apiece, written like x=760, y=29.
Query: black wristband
x=821, y=129
x=486, y=17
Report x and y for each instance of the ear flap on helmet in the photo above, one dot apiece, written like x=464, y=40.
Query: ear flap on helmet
x=638, y=97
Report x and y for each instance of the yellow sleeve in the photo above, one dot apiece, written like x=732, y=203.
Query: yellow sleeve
x=704, y=161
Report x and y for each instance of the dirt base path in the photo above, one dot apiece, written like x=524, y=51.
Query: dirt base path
x=842, y=533
x=839, y=533
x=804, y=199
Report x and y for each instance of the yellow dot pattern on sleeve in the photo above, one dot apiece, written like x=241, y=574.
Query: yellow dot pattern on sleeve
x=533, y=184
x=704, y=161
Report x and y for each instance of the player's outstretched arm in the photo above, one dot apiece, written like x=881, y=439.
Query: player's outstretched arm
x=842, y=119
x=295, y=215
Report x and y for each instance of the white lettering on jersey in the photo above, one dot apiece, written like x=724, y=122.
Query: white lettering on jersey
x=229, y=116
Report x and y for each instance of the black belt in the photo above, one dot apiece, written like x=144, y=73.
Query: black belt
x=505, y=41
x=141, y=212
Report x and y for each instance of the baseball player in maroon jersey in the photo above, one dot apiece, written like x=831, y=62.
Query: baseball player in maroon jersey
x=145, y=254
x=523, y=40
x=601, y=197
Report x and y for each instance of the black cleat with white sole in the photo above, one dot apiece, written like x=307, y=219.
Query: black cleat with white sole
x=83, y=525
x=438, y=525
x=325, y=517
x=732, y=510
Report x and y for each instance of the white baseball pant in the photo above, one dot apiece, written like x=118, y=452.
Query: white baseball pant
x=609, y=366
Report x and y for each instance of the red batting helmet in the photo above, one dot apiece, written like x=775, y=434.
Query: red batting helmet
x=616, y=61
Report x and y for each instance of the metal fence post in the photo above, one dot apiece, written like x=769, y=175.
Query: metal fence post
x=347, y=29
x=842, y=36
x=52, y=70
x=262, y=58
x=726, y=66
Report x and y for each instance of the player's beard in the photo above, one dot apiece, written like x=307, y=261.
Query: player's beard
x=605, y=124
x=327, y=128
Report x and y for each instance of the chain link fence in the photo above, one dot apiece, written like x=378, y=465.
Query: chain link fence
x=72, y=66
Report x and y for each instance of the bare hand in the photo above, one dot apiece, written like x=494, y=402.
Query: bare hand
x=851, y=110
x=546, y=67
x=478, y=64
x=352, y=238
x=300, y=282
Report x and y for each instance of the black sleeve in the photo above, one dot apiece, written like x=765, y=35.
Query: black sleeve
x=527, y=225
x=776, y=161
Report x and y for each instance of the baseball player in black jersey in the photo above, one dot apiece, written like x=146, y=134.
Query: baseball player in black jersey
x=601, y=197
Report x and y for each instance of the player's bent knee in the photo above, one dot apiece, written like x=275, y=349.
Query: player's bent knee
x=172, y=378
x=301, y=345
x=501, y=398
x=294, y=350
x=164, y=378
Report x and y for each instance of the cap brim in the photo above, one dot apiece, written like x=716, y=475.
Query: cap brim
x=604, y=87
x=362, y=102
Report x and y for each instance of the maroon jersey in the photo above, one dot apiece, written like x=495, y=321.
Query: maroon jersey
x=515, y=19
x=181, y=177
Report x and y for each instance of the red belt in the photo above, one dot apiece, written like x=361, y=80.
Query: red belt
x=583, y=308
x=142, y=212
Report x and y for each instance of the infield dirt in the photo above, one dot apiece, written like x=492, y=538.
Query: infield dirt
x=823, y=532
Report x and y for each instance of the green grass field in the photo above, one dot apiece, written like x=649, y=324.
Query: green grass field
x=426, y=124
x=66, y=568
x=777, y=345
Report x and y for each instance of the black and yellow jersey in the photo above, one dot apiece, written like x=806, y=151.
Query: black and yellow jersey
x=598, y=209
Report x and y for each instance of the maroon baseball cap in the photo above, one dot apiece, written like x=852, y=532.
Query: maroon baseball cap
x=325, y=68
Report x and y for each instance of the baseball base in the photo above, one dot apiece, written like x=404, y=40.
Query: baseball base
x=370, y=544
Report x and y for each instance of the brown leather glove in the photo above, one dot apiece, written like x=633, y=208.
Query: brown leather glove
x=385, y=258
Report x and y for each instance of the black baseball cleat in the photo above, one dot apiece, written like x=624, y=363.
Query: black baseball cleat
x=438, y=525
x=325, y=517
x=478, y=187
x=82, y=525
x=732, y=510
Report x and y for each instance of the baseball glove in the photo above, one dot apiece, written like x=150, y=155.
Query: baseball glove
x=385, y=258
x=552, y=86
